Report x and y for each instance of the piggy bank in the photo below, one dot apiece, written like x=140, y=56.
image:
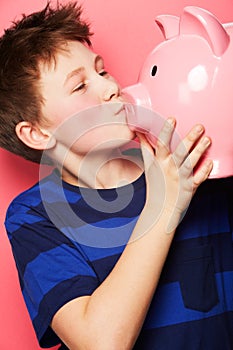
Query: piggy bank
x=189, y=76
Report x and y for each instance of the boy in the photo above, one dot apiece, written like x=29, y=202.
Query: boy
x=90, y=240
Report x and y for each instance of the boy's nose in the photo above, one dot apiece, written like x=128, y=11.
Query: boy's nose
x=110, y=91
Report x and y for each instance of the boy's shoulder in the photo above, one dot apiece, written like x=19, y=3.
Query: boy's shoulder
x=29, y=208
x=32, y=197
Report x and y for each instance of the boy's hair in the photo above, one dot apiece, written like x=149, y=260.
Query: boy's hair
x=34, y=39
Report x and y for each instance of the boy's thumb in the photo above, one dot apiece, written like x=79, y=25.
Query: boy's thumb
x=148, y=152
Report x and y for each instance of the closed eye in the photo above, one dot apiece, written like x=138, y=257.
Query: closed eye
x=79, y=87
x=103, y=73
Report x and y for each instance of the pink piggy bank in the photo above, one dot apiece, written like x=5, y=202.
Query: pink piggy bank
x=190, y=76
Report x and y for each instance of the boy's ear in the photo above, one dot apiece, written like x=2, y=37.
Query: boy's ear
x=34, y=137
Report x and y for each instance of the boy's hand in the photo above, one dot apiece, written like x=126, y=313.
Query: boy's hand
x=171, y=180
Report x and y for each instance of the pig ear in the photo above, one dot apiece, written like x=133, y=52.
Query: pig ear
x=169, y=25
x=198, y=21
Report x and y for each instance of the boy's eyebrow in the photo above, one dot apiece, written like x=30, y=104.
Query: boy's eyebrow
x=73, y=73
x=81, y=69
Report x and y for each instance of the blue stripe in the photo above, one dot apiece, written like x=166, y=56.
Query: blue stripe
x=52, y=193
x=98, y=254
x=51, y=268
x=56, y=298
x=30, y=198
x=170, y=309
x=19, y=220
x=104, y=235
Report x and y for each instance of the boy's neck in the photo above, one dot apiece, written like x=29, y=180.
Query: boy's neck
x=111, y=171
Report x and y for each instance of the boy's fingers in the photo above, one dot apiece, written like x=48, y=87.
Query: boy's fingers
x=147, y=151
x=164, y=137
x=203, y=172
x=196, y=154
x=184, y=147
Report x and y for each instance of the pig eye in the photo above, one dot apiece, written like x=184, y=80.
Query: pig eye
x=154, y=71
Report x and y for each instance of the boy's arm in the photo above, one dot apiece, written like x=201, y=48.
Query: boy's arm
x=111, y=318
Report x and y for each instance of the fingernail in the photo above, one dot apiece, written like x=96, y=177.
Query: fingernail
x=206, y=141
x=171, y=121
x=199, y=128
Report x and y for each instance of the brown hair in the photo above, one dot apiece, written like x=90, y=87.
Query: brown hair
x=34, y=39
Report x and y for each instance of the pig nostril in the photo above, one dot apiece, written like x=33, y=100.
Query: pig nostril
x=154, y=71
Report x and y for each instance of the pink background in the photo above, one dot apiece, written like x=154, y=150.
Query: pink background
x=124, y=34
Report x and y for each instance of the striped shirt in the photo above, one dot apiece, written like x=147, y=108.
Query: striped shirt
x=66, y=240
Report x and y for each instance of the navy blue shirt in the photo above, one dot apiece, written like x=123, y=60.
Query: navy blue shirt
x=66, y=240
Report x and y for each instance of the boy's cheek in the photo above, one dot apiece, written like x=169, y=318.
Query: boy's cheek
x=71, y=127
x=85, y=126
x=61, y=111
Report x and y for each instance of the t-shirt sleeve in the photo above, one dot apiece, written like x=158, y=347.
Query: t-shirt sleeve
x=52, y=269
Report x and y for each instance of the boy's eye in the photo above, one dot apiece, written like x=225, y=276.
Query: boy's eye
x=103, y=73
x=79, y=87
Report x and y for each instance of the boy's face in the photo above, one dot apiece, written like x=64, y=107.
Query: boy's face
x=77, y=82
